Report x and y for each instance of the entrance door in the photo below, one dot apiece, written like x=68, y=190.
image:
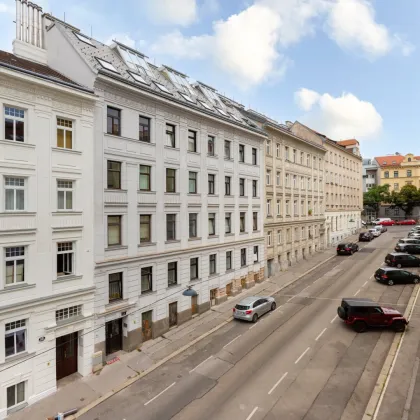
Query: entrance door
x=213, y=297
x=66, y=355
x=146, y=325
x=194, y=305
x=113, y=341
x=229, y=289
x=173, y=314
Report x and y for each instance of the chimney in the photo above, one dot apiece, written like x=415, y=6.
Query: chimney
x=29, y=40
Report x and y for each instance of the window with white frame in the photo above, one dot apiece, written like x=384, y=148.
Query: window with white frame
x=65, y=258
x=268, y=207
x=302, y=208
x=15, y=395
x=269, y=238
x=14, y=124
x=287, y=180
x=279, y=238
x=278, y=150
x=15, y=193
x=287, y=208
x=64, y=194
x=278, y=207
x=295, y=208
x=15, y=265
x=67, y=313
x=15, y=337
x=268, y=147
x=278, y=177
x=64, y=133
x=268, y=177
x=303, y=233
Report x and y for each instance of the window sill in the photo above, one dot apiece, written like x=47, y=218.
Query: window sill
x=231, y=270
x=194, y=194
x=116, y=302
x=17, y=143
x=212, y=156
x=243, y=233
x=64, y=150
x=213, y=195
x=256, y=231
x=213, y=275
x=230, y=234
x=196, y=238
x=171, y=193
x=19, y=356
x=15, y=287
x=17, y=408
x=229, y=159
x=70, y=277
x=196, y=280
x=66, y=212
x=212, y=236
x=172, y=148
x=173, y=241
x=146, y=244
x=115, y=189
x=193, y=152
x=171, y=286
x=146, y=192
x=17, y=213
x=243, y=196
x=119, y=136
x=148, y=293
x=116, y=247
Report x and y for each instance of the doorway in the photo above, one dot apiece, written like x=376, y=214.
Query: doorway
x=270, y=267
x=146, y=325
x=213, y=297
x=229, y=289
x=113, y=340
x=194, y=305
x=66, y=355
x=173, y=314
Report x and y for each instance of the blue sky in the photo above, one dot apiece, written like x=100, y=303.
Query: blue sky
x=348, y=68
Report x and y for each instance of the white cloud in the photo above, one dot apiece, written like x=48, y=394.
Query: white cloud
x=176, y=12
x=351, y=24
x=123, y=38
x=341, y=117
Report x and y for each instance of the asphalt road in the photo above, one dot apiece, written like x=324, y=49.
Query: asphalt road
x=298, y=362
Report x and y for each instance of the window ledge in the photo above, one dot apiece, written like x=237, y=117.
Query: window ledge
x=194, y=194
x=146, y=192
x=67, y=212
x=231, y=270
x=212, y=236
x=19, y=356
x=193, y=153
x=212, y=156
x=115, y=189
x=195, y=281
x=172, y=148
x=116, y=247
x=213, y=195
x=171, y=193
x=229, y=159
x=171, y=286
x=148, y=293
x=17, y=213
x=243, y=196
x=243, y=233
x=62, y=279
x=173, y=241
x=116, y=304
x=17, y=143
x=14, y=287
x=145, y=244
x=62, y=149
x=213, y=275
x=16, y=408
x=230, y=234
x=197, y=238
x=256, y=231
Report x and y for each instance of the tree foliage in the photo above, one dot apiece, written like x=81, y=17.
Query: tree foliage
x=375, y=196
x=406, y=199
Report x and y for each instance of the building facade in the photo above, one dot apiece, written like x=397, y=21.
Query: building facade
x=371, y=175
x=46, y=222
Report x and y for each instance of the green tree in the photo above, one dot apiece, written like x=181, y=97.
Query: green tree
x=406, y=199
x=375, y=196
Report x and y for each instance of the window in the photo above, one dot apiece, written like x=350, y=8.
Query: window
x=302, y=208
x=192, y=141
x=15, y=337
x=409, y=159
x=408, y=173
x=115, y=286
x=308, y=160
x=212, y=224
x=192, y=183
x=254, y=156
x=255, y=221
x=64, y=133
x=15, y=265
x=241, y=153
x=269, y=238
x=15, y=194
x=268, y=177
x=294, y=156
x=279, y=238
x=146, y=279
x=15, y=395
x=302, y=158
x=294, y=181
x=228, y=222
x=395, y=174
x=145, y=228
x=193, y=217
x=114, y=230
x=145, y=172
x=211, y=145
x=254, y=188
x=211, y=182
x=163, y=88
x=278, y=208
x=243, y=257
x=212, y=264
x=113, y=121
x=227, y=149
x=302, y=183
x=193, y=268
x=278, y=150
x=278, y=178
x=386, y=174
x=287, y=180
x=242, y=221
x=227, y=185
x=144, y=129
x=114, y=175
x=172, y=273
x=268, y=208
x=105, y=64
x=303, y=233
x=309, y=183
x=65, y=258
x=64, y=195
x=295, y=208
x=170, y=180
x=256, y=253
x=67, y=313
x=287, y=153
x=228, y=260
x=170, y=135
x=287, y=208
x=171, y=227
x=242, y=187
x=396, y=186
x=268, y=147
x=14, y=124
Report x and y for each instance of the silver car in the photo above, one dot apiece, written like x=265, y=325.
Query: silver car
x=252, y=307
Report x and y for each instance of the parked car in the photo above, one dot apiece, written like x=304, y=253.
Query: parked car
x=252, y=307
x=414, y=234
x=387, y=222
x=404, y=241
x=406, y=222
x=381, y=228
x=365, y=237
x=347, y=248
x=415, y=229
x=362, y=313
x=392, y=276
x=400, y=259
x=375, y=232
x=409, y=249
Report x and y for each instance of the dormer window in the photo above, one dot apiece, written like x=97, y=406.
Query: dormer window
x=409, y=159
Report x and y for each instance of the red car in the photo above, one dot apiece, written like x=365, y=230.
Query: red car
x=406, y=222
x=387, y=223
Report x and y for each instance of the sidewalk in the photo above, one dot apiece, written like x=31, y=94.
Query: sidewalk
x=78, y=392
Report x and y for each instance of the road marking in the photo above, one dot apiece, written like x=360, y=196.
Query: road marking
x=307, y=287
x=411, y=390
x=291, y=298
x=303, y=354
x=365, y=283
x=333, y=319
x=370, y=277
x=277, y=383
x=252, y=413
x=357, y=293
x=319, y=336
x=208, y=358
x=158, y=395
x=230, y=342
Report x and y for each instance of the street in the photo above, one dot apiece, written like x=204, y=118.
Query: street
x=298, y=362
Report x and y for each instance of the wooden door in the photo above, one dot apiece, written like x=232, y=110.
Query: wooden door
x=194, y=305
x=113, y=341
x=66, y=355
x=146, y=325
x=229, y=289
x=173, y=314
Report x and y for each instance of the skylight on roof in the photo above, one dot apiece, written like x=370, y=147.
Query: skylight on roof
x=222, y=112
x=138, y=78
x=180, y=82
x=83, y=38
x=212, y=96
x=205, y=105
x=163, y=88
x=107, y=65
x=235, y=117
x=187, y=98
x=135, y=61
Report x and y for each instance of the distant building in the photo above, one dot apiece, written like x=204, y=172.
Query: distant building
x=371, y=174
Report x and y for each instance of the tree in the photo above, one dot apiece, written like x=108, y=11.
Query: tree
x=375, y=196
x=406, y=199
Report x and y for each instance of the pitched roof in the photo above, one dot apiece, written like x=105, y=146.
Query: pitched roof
x=392, y=160
x=40, y=70
x=349, y=142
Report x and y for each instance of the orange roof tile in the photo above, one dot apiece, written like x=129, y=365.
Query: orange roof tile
x=348, y=142
x=388, y=160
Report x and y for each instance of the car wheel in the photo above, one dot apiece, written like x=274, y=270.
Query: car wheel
x=273, y=306
x=351, y=252
x=357, y=248
x=399, y=266
x=416, y=280
x=360, y=326
x=398, y=326
x=255, y=318
x=390, y=282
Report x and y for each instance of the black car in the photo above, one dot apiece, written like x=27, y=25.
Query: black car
x=399, y=259
x=365, y=237
x=409, y=248
x=392, y=276
x=347, y=248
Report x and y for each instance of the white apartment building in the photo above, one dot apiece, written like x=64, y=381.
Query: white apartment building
x=178, y=192
x=46, y=221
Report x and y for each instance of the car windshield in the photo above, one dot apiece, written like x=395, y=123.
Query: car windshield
x=242, y=307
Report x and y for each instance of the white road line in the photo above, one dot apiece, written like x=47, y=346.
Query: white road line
x=230, y=342
x=253, y=325
x=303, y=354
x=307, y=287
x=252, y=413
x=370, y=277
x=357, y=293
x=411, y=390
x=158, y=395
x=277, y=383
x=333, y=319
x=319, y=336
x=365, y=283
x=208, y=358
x=291, y=298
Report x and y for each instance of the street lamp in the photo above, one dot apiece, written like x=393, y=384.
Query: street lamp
x=189, y=292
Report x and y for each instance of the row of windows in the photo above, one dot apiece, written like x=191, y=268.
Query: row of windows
x=409, y=174
x=293, y=155
x=292, y=180
x=296, y=210
x=298, y=233
x=346, y=163
x=336, y=178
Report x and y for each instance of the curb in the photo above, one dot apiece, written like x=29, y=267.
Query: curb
x=130, y=381
x=381, y=385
